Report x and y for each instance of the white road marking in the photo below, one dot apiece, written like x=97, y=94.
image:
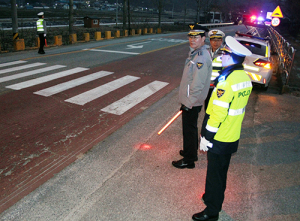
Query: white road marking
x=29, y=73
x=44, y=79
x=121, y=106
x=71, y=84
x=118, y=52
x=138, y=45
x=21, y=67
x=11, y=63
x=95, y=93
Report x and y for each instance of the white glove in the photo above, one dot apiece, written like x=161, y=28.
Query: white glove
x=204, y=144
x=44, y=35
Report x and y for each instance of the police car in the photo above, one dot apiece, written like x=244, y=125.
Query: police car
x=258, y=65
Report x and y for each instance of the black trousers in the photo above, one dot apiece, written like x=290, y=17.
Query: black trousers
x=207, y=98
x=215, y=186
x=190, y=134
x=42, y=42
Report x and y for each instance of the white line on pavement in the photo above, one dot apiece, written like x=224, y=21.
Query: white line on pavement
x=44, y=79
x=129, y=101
x=71, y=84
x=97, y=92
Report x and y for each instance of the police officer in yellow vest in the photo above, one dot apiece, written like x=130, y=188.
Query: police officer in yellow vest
x=216, y=42
x=42, y=31
x=222, y=125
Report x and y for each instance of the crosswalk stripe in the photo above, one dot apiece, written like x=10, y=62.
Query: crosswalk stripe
x=95, y=93
x=129, y=101
x=12, y=63
x=21, y=67
x=29, y=73
x=71, y=84
x=44, y=79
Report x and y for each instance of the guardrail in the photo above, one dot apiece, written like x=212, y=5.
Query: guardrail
x=286, y=55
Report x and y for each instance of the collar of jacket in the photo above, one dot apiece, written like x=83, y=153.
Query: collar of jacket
x=226, y=72
x=198, y=50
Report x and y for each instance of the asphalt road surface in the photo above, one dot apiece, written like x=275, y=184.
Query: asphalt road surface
x=88, y=149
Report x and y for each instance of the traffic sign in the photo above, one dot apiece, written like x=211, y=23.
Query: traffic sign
x=275, y=21
x=277, y=13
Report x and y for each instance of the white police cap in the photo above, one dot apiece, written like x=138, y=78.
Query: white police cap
x=233, y=46
x=40, y=14
x=216, y=34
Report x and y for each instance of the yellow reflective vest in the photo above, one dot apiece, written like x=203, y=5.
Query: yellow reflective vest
x=226, y=108
x=40, y=25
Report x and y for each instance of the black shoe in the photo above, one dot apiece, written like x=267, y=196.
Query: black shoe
x=203, y=217
x=41, y=52
x=181, y=164
x=181, y=154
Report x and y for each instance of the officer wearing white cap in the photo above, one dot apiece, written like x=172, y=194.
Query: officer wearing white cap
x=222, y=124
x=193, y=90
x=216, y=41
x=42, y=31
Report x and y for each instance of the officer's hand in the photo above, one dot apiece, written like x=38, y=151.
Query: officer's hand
x=184, y=108
x=204, y=144
x=44, y=35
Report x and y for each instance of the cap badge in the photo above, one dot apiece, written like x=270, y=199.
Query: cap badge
x=192, y=27
x=214, y=32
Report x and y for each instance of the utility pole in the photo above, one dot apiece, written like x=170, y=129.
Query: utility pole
x=117, y=8
x=71, y=17
x=14, y=20
x=129, y=16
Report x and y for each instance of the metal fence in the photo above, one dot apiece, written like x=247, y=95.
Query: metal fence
x=285, y=57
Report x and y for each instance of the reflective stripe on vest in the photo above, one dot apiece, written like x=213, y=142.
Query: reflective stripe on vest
x=40, y=25
x=241, y=86
x=233, y=112
x=216, y=67
x=221, y=103
x=212, y=129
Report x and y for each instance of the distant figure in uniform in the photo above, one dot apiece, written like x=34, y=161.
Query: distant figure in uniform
x=193, y=90
x=222, y=125
x=216, y=42
x=42, y=31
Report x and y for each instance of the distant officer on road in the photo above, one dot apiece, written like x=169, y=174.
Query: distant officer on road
x=216, y=42
x=222, y=125
x=193, y=90
x=42, y=31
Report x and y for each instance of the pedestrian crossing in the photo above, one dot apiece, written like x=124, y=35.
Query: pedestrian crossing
x=51, y=73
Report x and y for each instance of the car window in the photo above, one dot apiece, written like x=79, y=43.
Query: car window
x=254, y=47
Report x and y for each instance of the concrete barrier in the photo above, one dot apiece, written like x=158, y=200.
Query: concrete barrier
x=58, y=40
x=72, y=38
x=19, y=45
x=98, y=36
x=139, y=31
x=125, y=33
x=145, y=31
x=132, y=32
x=108, y=35
x=117, y=34
x=158, y=31
x=86, y=37
x=150, y=30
